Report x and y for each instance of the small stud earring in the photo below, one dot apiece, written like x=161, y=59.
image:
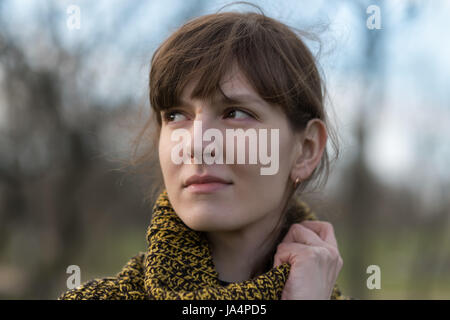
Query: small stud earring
x=296, y=182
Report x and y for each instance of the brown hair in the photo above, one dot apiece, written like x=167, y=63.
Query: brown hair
x=273, y=58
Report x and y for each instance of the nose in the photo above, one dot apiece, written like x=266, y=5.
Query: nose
x=202, y=143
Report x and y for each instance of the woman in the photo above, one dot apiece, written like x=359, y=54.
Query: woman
x=230, y=230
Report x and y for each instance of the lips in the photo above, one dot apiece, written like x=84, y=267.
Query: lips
x=206, y=179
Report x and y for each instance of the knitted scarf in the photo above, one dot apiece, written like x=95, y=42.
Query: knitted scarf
x=179, y=265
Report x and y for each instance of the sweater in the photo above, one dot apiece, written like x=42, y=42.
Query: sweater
x=178, y=265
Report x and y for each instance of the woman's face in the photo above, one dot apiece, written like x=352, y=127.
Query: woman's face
x=248, y=196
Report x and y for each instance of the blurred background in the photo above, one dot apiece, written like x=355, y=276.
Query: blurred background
x=72, y=98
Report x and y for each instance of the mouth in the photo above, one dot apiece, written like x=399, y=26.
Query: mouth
x=206, y=184
x=207, y=187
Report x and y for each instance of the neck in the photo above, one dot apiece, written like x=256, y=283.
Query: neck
x=236, y=253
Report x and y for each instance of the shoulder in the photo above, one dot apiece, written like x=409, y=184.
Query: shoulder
x=127, y=284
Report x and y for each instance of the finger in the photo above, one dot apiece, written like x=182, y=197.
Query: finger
x=285, y=252
x=323, y=229
x=301, y=234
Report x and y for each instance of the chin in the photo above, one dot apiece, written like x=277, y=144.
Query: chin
x=205, y=221
x=199, y=222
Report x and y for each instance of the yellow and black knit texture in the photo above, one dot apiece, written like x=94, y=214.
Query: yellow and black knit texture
x=179, y=266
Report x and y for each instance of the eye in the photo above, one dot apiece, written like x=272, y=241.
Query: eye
x=173, y=116
x=238, y=114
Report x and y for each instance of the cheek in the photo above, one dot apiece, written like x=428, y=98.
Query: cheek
x=164, y=152
x=263, y=193
x=286, y=150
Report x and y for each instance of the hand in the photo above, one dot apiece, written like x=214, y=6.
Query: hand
x=311, y=249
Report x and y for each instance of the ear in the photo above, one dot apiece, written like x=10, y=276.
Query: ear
x=310, y=147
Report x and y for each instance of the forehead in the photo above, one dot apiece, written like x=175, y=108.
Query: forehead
x=233, y=88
